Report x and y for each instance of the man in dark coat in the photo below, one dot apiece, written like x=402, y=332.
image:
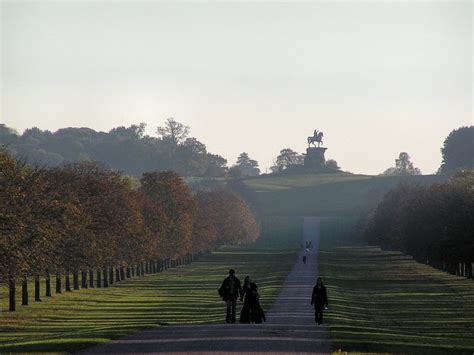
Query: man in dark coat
x=319, y=299
x=230, y=291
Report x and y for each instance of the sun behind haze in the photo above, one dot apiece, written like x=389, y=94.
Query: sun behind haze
x=377, y=77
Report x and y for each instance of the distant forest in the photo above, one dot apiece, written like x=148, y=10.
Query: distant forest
x=131, y=151
x=125, y=149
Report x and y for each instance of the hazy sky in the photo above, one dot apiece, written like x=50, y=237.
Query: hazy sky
x=377, y=77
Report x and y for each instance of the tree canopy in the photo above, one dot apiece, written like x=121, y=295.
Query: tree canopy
x=458, y=151
x=246, y=166
x=83, y=217
x=287, y=158
x=126, y=149
x=433, y=224
x=403, y=166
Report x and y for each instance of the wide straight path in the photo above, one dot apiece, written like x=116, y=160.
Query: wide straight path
x=290, y=326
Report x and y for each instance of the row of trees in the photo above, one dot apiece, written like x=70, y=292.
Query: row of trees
x=433, y=224
x=126, y=149
x=84, y=220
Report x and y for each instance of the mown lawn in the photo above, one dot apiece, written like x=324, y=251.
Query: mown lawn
x=325, y=194
x=383, y=301
x=75, y=320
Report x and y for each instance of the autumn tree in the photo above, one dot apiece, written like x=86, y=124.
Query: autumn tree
x=205, y=226
x=170, y=192
x=27, y=223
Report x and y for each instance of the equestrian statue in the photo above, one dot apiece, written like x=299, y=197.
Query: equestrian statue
x=316, y=138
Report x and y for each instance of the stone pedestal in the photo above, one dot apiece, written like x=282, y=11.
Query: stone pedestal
x=314, y=159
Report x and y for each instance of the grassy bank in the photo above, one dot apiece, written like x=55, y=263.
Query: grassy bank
x=74, y=320
x=385, y=302
x=325, y=194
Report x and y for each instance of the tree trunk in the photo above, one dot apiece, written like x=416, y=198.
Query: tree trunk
x=122, y=274
x=128, y=273
x=84, y=279
x=68, y=282
x=48, y=284
x=75, y=280
x=106, y=280
x=58, y=283
x=142, y=271
x=138, y=270
x=91, y=278
x=99, y=279
x=117, y=275
x=111, y=276
x=11, y=293
x=24, y=291
x=133, y=270
x=37, y=288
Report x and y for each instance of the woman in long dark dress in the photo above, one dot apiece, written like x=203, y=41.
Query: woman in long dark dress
x=244, y=296
x=256, y=312
x=319, y=299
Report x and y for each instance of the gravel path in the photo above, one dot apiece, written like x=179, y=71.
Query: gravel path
x=290, y=326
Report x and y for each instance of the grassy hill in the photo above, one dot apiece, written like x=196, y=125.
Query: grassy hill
x=285, y=200
x=325, y=194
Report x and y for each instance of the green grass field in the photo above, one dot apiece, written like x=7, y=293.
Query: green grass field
x=385, y=302
x=325, y=194
x=183, y=295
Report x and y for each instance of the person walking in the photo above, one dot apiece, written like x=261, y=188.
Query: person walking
x=257, y=315
x=320, y=300
x=304, y=259
x=230, y=291
x=244, y=296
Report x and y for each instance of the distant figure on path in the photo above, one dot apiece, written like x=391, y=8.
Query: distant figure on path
x=244, y=296
x=319, y=299
x=230, y=291
x=304, y=259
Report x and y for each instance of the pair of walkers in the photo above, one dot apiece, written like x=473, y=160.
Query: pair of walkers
x=231, y=290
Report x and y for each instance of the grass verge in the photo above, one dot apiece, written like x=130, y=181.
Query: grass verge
x=75, y=320
x=383, y=301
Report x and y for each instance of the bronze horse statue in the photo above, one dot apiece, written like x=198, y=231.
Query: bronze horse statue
x=318, y=138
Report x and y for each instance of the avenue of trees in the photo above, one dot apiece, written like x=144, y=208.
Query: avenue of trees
x=126, y=149
x=85, y=225
x=433, y=224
